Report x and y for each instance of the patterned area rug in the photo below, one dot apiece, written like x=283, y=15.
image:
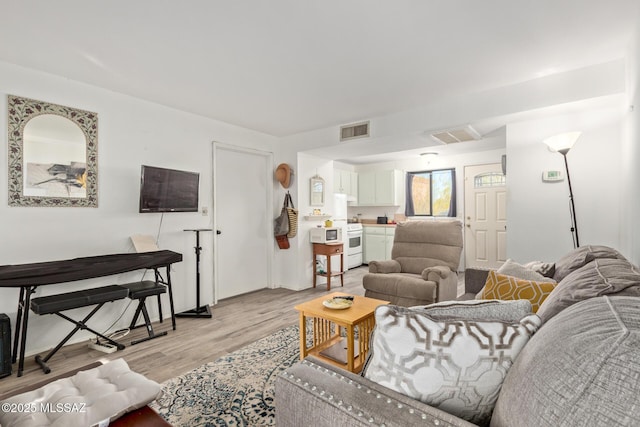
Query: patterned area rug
x=235, y=390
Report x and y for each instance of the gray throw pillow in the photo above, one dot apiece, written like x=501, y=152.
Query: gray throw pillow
x=582, y=256
x=456, y=365
x=599, y=277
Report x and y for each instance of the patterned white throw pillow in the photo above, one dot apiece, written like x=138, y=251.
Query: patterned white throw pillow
x=457, y=365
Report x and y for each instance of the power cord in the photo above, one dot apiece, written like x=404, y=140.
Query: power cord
x=159, y=228
x=96, y=339
x=120, y=333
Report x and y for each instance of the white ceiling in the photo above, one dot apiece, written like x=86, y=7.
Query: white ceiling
x=287, y=66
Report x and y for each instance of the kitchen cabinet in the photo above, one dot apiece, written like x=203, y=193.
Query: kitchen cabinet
x=346, y=182
x=380, y=188
x=390, y=233
x=378, y=241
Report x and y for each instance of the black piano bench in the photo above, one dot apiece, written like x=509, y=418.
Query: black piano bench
x=54, y=304
x=140, y=291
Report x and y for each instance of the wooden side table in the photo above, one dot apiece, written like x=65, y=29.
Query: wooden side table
x=334, y=331
x=328, y=250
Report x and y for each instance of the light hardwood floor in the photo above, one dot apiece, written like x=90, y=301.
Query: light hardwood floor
x=236, y=322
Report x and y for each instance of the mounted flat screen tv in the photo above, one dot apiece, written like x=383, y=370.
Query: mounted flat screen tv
x=168, y=190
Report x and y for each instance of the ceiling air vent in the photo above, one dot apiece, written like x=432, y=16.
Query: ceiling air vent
x=355, y=130
x=451, y=136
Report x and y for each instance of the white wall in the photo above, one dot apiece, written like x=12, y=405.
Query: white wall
x=630, y=200
x=285, y=272
x=538, y=213
x=406, y=129
x=296, y=264
x=131, y=132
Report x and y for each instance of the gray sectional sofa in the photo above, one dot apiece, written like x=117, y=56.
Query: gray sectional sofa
x=581, y=367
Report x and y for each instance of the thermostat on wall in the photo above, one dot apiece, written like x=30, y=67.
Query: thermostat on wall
x=552, y=176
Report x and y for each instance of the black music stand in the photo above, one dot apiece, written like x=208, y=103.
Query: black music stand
x=199, y=311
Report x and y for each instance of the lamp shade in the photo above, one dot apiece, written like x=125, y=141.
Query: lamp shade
x=562, y=142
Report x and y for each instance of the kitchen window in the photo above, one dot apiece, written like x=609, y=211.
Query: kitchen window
x=431, y=193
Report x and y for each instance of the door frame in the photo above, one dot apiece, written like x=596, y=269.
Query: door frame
x=466, y=208
x=268, y=158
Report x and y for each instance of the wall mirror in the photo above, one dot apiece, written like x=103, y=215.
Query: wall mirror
x=317, y=191
x=53, y=154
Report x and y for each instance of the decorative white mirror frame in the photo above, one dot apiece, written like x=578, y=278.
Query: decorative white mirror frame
x=20, y=111
x=317, y=189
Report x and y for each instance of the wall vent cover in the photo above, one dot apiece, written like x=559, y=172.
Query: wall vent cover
x=461, y=134
x=353, y=131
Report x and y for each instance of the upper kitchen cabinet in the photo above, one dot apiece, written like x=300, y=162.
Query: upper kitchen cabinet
x=346, y=182
x=380, y=188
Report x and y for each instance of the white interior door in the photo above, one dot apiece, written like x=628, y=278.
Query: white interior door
x=241, y=200
x=485, y=210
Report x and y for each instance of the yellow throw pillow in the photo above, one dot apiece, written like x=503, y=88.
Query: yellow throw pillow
x=499, y=286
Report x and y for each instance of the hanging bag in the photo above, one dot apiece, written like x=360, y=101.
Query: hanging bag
x=292, y=214
x=281, y=227
x=283, y=242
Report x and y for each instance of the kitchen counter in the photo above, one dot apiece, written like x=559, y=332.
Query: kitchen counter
x=374, y=223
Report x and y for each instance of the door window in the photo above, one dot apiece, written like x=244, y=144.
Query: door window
x=489, y=179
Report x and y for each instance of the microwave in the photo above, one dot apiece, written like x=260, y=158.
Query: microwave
x=325, y=235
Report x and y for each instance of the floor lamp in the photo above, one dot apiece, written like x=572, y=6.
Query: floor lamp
x=562, y=143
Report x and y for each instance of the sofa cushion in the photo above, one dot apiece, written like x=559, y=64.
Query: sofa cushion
x=580, y=369
x=597, y=278
x=580, y=257
x=504, y=311
x=499, y=286
x=456, y=365
x=406, y=286
x=421, y=244
x=415, y=265
x=85, y=399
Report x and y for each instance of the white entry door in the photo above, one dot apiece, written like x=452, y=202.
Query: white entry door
x=485, y=210
x=242, y=216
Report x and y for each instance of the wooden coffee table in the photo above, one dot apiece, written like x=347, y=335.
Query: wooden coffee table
x=328, y=342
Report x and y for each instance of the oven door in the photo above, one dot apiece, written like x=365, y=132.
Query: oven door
x=355, y=242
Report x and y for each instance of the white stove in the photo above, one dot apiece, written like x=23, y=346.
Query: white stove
x=354, y=240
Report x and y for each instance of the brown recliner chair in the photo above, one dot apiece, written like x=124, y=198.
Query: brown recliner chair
x=423, y=269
